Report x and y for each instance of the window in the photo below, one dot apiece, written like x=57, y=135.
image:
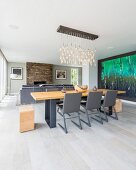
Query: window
x=74, y=76
x=3, y=76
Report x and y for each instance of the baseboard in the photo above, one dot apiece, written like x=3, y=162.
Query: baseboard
x=128, y=102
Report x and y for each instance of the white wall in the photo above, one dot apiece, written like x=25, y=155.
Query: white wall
x=3, y=75
x=16, y=84
x=89, y=75
x=93, y=76
x=85, y=75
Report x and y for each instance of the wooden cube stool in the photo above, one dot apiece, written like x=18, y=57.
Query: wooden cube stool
x=118, y=105
x=26, y=118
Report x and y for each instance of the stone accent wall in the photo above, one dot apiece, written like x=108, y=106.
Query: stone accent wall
x=39, y=72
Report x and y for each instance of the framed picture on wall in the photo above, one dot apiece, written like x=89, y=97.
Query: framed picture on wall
x=61, y=74
x=18, y=72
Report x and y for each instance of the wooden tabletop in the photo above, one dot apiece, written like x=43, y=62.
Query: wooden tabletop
x=60, y=95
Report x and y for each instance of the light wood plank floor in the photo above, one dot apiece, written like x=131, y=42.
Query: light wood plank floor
x=111, y=146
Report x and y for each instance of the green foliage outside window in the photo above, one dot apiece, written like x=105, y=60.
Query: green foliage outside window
x=74, y=76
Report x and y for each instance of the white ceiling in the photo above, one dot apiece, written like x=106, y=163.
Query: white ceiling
x=28, y=27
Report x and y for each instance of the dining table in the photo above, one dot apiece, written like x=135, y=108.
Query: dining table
x=52, y=97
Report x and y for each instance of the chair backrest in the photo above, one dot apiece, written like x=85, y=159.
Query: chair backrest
x=94, y=100
x=110, y=98
x=72, y=102
x=52, y=89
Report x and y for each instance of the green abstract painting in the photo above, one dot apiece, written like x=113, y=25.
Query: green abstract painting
x=119, y=74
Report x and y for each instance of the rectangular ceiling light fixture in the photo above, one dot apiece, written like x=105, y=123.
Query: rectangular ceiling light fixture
x=77, y=33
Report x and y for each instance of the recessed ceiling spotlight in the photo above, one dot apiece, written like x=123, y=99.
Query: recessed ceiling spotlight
x=110, y=48
x=14, y=27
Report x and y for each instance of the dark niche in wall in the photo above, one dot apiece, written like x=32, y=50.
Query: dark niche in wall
x=119, y=73
x=37, y=72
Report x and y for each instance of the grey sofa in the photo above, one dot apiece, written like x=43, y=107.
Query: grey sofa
x=25, y=92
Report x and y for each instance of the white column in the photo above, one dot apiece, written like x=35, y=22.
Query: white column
x=85, y=75
x=93, y=76
x=90, y=75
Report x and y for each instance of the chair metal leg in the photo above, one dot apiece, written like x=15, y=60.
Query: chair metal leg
x=57, y=108
x=116, y=116
x=106, y=118
x=65, y=124
x=79, y=120
x=99, y=116
x=65, y=127
x=88, y=119
x=61, y=113
x=79, y=126
x=82, y=111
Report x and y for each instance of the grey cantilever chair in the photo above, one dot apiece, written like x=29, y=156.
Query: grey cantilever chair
x=93, y=105
x=71, y=105
x=109, y=102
